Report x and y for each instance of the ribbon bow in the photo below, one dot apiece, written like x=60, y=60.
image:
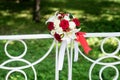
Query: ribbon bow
x=81, y=39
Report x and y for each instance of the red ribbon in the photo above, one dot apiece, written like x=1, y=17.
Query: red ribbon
x=81, y=39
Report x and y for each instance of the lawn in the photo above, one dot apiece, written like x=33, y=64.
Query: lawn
x=94, y=15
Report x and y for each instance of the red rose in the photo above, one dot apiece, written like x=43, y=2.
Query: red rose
x=57, y=37
x=60, y=17
x=64, y=24
x=50, y=26
x=76, y=21
x=62, y=14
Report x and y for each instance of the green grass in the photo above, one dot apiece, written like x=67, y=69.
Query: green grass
x=94, y=15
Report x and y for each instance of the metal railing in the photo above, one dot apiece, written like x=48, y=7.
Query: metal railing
x=98, y=61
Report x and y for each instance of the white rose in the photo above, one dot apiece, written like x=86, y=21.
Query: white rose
x=70, y=34
x=52, y=32
x=72, y=25
x=66, y=17
x=56, y=22
x=59, y=30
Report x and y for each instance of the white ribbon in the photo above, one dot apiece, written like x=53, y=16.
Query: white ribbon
x=62, y=54
x=75, y=51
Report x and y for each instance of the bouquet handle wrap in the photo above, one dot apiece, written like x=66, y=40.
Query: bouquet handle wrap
x=65, y=27
x=81, y=39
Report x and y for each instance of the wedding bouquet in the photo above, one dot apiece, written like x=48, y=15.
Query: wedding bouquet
x=63, y=26
x=66, y=28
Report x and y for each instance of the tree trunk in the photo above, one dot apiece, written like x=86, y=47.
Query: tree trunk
x=36, y=13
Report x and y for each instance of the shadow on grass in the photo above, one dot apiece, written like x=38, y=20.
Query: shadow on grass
x=94, y=7
x=14, y=7
x=95, y=15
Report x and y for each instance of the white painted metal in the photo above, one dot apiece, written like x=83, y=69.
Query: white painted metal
x=113, y=53
x=10, y=72
x=12, y=57
x=107, y=66
x=20, y=38
x=39, y=36
x=27, y=66
x=56, y=63
x=30, y=36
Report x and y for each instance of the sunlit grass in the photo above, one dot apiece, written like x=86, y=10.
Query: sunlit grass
x=94, y=16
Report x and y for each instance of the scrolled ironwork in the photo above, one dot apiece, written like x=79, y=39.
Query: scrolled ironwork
x=98, y=61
